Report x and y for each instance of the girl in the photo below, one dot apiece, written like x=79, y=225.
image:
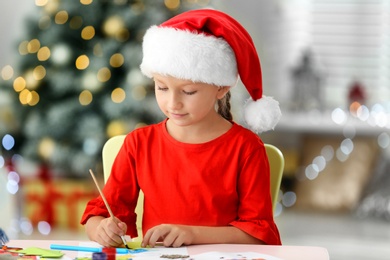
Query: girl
x=205, y=178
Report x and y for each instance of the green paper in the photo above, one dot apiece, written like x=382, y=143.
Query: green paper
x=41, y=252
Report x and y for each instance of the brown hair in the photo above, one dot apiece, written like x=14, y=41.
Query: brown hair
x=224, y=107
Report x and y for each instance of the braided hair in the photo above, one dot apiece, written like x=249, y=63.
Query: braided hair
x=224, y=107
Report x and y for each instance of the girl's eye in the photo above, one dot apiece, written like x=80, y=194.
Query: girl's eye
x=162, y=88
x=189, y=93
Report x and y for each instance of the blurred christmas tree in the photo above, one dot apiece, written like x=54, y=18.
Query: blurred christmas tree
x=77, y=81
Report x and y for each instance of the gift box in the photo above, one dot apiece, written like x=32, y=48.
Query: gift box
x=60, y=203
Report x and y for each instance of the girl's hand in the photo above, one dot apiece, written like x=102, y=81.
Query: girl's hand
x=109, y=231
x=169, y=235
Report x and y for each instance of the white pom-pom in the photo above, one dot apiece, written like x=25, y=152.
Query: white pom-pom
x=262, y=115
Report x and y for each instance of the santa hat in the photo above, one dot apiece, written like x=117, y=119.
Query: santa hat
x=209, y=46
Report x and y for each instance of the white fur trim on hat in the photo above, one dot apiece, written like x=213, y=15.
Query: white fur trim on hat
x=188, y=55
x=262, y=115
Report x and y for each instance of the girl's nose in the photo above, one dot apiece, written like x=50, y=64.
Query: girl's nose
x=174, y=101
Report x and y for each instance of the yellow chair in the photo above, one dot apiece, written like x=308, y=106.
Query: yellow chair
x=275, y=158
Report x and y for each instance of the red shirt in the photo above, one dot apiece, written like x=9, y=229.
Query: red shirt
x=218, y=183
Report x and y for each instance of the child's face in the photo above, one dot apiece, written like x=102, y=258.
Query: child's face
x=186, y=102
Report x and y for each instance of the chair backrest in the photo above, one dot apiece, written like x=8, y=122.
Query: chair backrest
x=275, y=158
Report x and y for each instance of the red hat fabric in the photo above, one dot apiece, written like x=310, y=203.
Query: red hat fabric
x=209, y=46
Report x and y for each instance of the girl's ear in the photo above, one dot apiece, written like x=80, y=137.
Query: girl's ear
x=222, y=92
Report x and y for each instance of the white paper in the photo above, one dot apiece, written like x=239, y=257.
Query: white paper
x=234, y=256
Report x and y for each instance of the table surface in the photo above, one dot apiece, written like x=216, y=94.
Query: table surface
x=284, y=252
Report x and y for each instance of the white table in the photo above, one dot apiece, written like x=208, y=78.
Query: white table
x=284, y=252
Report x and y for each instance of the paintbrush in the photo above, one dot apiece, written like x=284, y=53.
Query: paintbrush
x=106, y=203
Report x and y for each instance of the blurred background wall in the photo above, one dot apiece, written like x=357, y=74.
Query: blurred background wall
x=70, y=80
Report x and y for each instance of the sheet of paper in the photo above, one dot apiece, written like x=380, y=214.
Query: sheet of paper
x=234, y=256
x=158, y=251
x=45, y=253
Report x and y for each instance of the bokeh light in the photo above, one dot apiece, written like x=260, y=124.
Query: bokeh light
x=76, y=22
x=26, y=227
x=61, y=17
x=117, y=60
x=104, y=74
x=8, y=142
x=85, y=97
x=86, y=2
x=34, y=99
x=172, y=4
x=39, y=72
x=41, y=2
x=339, y=116
x=61, y=54
x=289, y=199
x=44, y=22
x=43, y=53
x=116, y=127
x=347, y=146
x=113, y=26
x=90, y=82
x=90, y=146
x=138, y=92
x=19, y=84
x=23, y=48
x=2, y=161
x=82, y=62
x=327, y=152
x=118, y=95
x=88, y=33
x=44, y=228
x=14, y=176
x=384, y=140
x=7, y=72
x=46, y=147
x=33, y=46
x=311, y=171
x=12, y=186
